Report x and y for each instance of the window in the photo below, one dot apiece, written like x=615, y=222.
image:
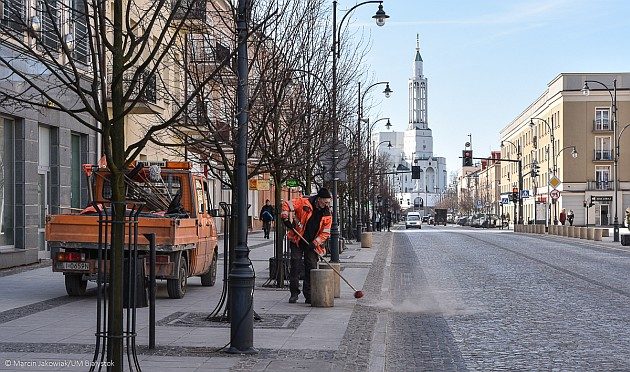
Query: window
x=603, y=148
x=6, y=182
x=80, y=31
x=602, y=118
x=75, y=171
x=602, y=174
x=48, y=11
x=12, y=14
x=200, y=197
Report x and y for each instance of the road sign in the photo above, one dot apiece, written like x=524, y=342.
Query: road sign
x=505, y=200
x=524, y=194
x=601, y=198
x=555, y=194
x=292, y=183
x=554, y=182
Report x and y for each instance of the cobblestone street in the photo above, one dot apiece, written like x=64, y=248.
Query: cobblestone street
x=469, y=299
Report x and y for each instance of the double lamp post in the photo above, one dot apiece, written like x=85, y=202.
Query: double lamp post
x=380, y=18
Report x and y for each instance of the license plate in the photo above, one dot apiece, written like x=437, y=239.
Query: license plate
x=84, y=266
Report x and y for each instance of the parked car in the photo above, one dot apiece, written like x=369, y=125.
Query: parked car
x=426, y=218
x=462, y=221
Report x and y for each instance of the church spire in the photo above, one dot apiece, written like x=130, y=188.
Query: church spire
x=418, y=56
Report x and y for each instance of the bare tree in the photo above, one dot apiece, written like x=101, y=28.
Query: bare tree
x=112, y=69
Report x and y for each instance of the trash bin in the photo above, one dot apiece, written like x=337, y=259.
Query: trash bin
x=138, y=281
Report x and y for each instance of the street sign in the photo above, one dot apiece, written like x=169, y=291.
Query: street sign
x=554, y=182
x=601, y=198
x=292, y=183
x=505, y=200
x=524, y=194
x=479, y=204
x=555, y=194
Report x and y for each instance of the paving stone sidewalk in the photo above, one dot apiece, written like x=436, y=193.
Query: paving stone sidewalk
x=43, y=329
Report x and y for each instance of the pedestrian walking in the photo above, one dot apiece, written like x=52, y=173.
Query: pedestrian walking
x=570, y=217
x=563, y=216
x=389, y=220
x=266, y=215
x=312, y=219
x=378, y=221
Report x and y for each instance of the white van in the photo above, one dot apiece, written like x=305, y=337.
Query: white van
x=413, y=220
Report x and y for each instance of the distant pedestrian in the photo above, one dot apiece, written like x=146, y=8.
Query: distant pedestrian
x=563, y=216
x=570, y=217
x=266, y=215
x=378, y=221
x=388, y=220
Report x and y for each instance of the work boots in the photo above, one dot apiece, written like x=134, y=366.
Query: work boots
x=294, y=297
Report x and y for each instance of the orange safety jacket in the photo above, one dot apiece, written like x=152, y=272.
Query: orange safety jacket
x=303, y=210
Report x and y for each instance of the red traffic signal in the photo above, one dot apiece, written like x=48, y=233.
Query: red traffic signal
x=467, y=158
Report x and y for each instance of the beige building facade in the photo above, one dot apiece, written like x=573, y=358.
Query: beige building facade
x=571, y=136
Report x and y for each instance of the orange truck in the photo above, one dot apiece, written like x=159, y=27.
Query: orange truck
x=175, y=206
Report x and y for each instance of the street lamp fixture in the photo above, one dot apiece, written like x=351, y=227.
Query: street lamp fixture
x=388, y=92
x=388, y=125
x=36, y=24
x=613, y=100
x=380, y=18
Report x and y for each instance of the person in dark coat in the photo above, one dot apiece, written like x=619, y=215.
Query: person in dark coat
x=266, y=215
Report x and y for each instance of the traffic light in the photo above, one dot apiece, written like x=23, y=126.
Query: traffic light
x=535, y=170
x=467, y=158
x=415, y=172
x=514, y=194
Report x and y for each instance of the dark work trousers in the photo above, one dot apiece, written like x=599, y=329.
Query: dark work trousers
x=306, y=257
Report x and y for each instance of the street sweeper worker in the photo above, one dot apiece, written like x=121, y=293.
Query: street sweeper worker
x=311, y=219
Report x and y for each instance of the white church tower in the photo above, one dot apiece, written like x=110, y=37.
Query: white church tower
x=417, y=149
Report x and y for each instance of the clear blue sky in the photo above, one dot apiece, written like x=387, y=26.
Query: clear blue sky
x=486, y=61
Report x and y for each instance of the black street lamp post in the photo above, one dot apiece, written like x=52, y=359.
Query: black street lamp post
x=380, y=18
x=360, y=119
x=241, y=277
x=520, y=179
x=553, y=157
x=613, y=98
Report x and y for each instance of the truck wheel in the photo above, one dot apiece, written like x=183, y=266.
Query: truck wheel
x=210, y=277
x=75, y=285
x=177, y=287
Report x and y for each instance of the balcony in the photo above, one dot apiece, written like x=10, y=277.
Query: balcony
x=192, y=12
x=602, y=155
x=599, y=185
x=208, y=56
x=145, y=101
x=602, y=125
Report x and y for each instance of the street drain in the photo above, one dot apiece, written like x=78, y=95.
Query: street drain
x=269, y=321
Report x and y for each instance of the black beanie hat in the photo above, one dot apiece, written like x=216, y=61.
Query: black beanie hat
x=324, y=193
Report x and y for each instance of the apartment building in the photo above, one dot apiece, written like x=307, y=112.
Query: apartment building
x=568, y=139
x=42, y=149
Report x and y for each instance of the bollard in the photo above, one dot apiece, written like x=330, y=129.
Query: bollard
x=605, y=233
x=366, y=240
x=322, y=291
x=552, y=230
x=597, y=235
x=590, y=233
x=571, y=232
x=583, y=232
x=336, y=279
x=542, y=229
